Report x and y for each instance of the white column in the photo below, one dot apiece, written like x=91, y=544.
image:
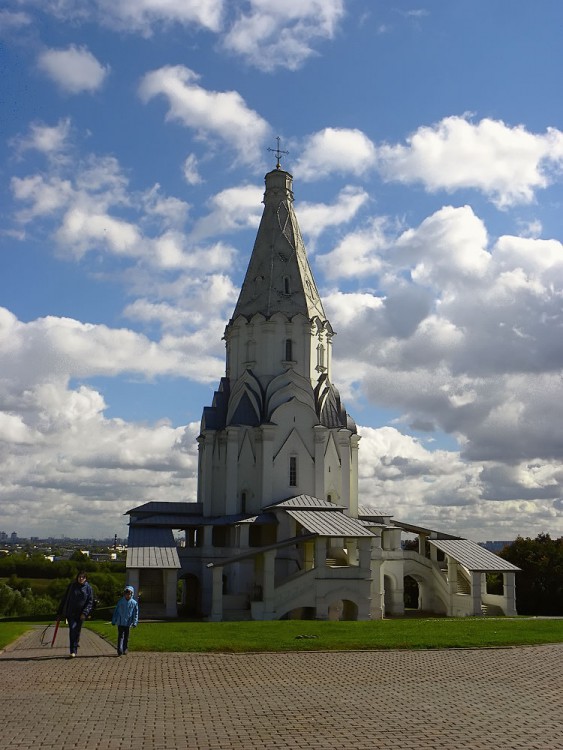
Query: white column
x=422, y=545
x=170, y=589
x=376, y=592
x=243, y=536
x=132, y=579
x=354, y=446
x=267, y=436
x=476, y=593
x=268, y=583
x=320, y=433
x=207, y=537
x=364, y=554
x=320, y=552
x=509, y=593
x=452, y=575
x=217, y=595
x=343, y=440
x=205, y=490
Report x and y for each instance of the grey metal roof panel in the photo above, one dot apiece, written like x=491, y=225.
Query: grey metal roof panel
x=155, y=506
x=151, y=548
x=304, y=502
x=369, y=511
x=472, y=556
x=180, y=521
x=328, y=523
x=168, y=520
x=414, y=529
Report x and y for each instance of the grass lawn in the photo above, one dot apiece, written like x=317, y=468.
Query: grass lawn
x=311, y=635
x=10, y=630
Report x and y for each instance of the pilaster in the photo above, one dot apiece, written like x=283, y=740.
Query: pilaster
x=343, y=442
x=266, y=435
x=320, y=434
x=231, y=485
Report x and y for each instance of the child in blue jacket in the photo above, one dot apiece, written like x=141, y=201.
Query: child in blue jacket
x=125, y=616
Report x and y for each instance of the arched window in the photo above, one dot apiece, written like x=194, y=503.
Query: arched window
x=293, y=471
x=320, y=357
x=289, y=350
x=286, y=285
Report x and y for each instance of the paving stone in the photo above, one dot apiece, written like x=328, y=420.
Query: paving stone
x=371, y=700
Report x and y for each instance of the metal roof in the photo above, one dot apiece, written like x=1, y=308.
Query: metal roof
x=328, y=523
x=368, y=511
x=168, y=520
x=182, y=521
x=155, y=506
x=433, y=533
x=472, y=556
x=304, y=502
x=151, y=548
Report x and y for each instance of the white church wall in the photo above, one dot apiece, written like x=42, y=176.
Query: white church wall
x=293, y=470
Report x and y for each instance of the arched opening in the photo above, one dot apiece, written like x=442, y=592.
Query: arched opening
x=300, y=613
x=343, y=609
x=411, y=593
x=190, y=596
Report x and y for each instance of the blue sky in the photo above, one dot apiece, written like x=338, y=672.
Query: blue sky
x=426, y=145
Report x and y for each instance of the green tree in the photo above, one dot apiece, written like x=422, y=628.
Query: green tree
x=539, y=585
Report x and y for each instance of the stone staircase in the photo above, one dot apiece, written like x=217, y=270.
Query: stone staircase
x=463, y=585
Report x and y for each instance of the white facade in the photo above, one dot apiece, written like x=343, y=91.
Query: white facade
x=278, y=529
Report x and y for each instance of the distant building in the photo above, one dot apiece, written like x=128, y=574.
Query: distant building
x=278, y=529
x=496, y=546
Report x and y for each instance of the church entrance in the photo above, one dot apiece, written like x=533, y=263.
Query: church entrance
x=190, y=596
x=411, y=593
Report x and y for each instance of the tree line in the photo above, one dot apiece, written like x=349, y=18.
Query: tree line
x=539, y=585
x=34, y=586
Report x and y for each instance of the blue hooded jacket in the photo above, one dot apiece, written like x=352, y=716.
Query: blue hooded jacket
x=126, y=612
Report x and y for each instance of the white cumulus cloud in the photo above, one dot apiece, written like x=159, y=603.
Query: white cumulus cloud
x=508, y=164
x=336, y=150
x=75, y=69
x=217, y=114
x=271, y=35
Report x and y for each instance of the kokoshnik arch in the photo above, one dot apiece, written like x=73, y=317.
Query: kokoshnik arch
x=278, y=529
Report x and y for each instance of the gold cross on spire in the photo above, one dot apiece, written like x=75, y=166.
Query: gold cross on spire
x=278, y=153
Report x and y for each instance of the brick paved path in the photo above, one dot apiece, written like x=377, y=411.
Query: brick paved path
x=502, y=699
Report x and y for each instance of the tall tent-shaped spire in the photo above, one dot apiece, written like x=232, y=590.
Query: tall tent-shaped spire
x=279, y=278
x=277, y=427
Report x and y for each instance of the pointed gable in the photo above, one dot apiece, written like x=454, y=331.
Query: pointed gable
x=279, y=278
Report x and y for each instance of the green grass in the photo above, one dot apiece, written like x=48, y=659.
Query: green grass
x=239, y=637
x=10, y=630
x=236, y=637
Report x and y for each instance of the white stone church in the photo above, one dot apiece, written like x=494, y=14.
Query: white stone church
x=278, y=529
